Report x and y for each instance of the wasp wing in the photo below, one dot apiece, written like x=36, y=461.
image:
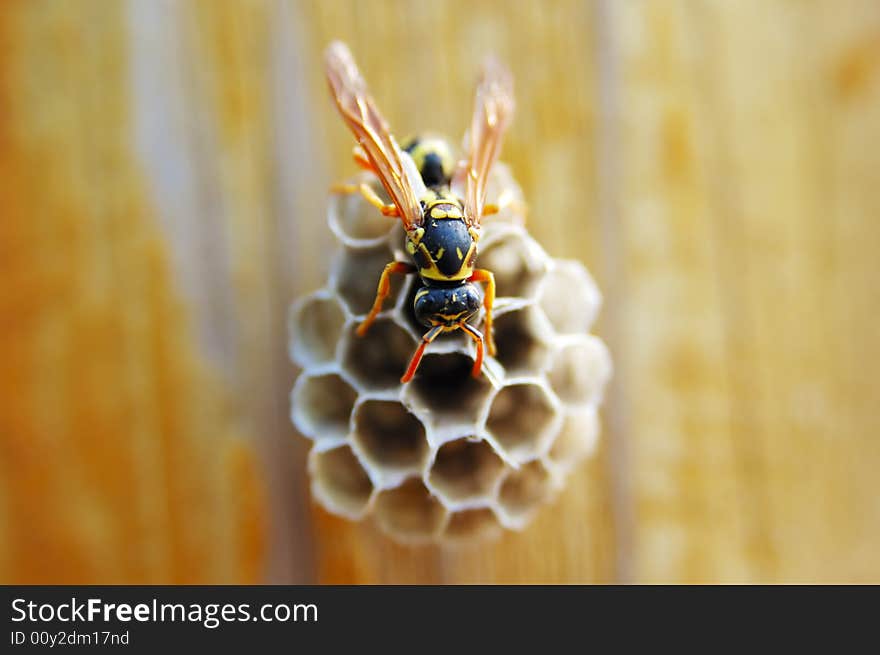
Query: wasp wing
x=493, y=111
x=395, y=169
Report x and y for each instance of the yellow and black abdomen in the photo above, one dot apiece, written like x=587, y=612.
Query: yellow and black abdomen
x=433, y=157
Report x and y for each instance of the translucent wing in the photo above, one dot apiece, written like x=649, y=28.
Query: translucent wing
x=395, y=169
x=493, y=111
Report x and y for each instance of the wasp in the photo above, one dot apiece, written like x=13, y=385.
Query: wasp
x=440, y=201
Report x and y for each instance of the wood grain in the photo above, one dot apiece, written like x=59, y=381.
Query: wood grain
x=745, y=208
x=120, y=460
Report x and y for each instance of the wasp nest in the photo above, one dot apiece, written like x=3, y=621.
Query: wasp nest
x=445, y=457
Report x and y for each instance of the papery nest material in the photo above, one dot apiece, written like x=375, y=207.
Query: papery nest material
x=446, y=457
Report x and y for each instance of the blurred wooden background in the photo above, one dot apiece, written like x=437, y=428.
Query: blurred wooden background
x=162, y=172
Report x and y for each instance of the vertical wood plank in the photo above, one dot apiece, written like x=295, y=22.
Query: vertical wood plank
x=119, y=459
x=689, y=520
x=753, y=444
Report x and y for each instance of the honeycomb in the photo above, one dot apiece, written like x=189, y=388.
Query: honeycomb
x=445, y=457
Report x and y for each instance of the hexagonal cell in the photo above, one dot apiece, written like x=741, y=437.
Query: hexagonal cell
x=579, y=370
x=409, y=512
x=516, y=260
x=397, y=240
x=444, y=391
x=472, y=525
x=355, y=276
x=465, y=470
x=577, y=439
x=322, y=406
x=523, y=490
x=569, y=297
x=523, y=419
x=377, y=360
x=339, y=482
x=519, y=338
x=389, y=438
x=355, y=221
x=315, y=327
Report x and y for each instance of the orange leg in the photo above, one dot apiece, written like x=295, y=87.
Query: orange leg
x=482, y=275
x=369, y=195
x=382, y=293
x=505, y=201
x=427, y=338
x=478, y=339
x=360, y=158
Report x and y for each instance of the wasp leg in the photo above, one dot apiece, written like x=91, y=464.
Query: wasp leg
x=505, y=201
x=478, y=339
x=427, y=338
x=369, y=195
x=382, y=293
x=360, y=158
x=482, y=275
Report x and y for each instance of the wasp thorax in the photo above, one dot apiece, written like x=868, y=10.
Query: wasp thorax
x=443, y=247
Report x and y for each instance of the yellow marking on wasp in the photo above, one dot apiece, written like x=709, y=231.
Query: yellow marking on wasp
x=431, y=271
x=421, y=292
x=438, y=212
x=433, y=145
x=449, y=321
x=458, y=252
x=439, y=254
x=413, y=239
